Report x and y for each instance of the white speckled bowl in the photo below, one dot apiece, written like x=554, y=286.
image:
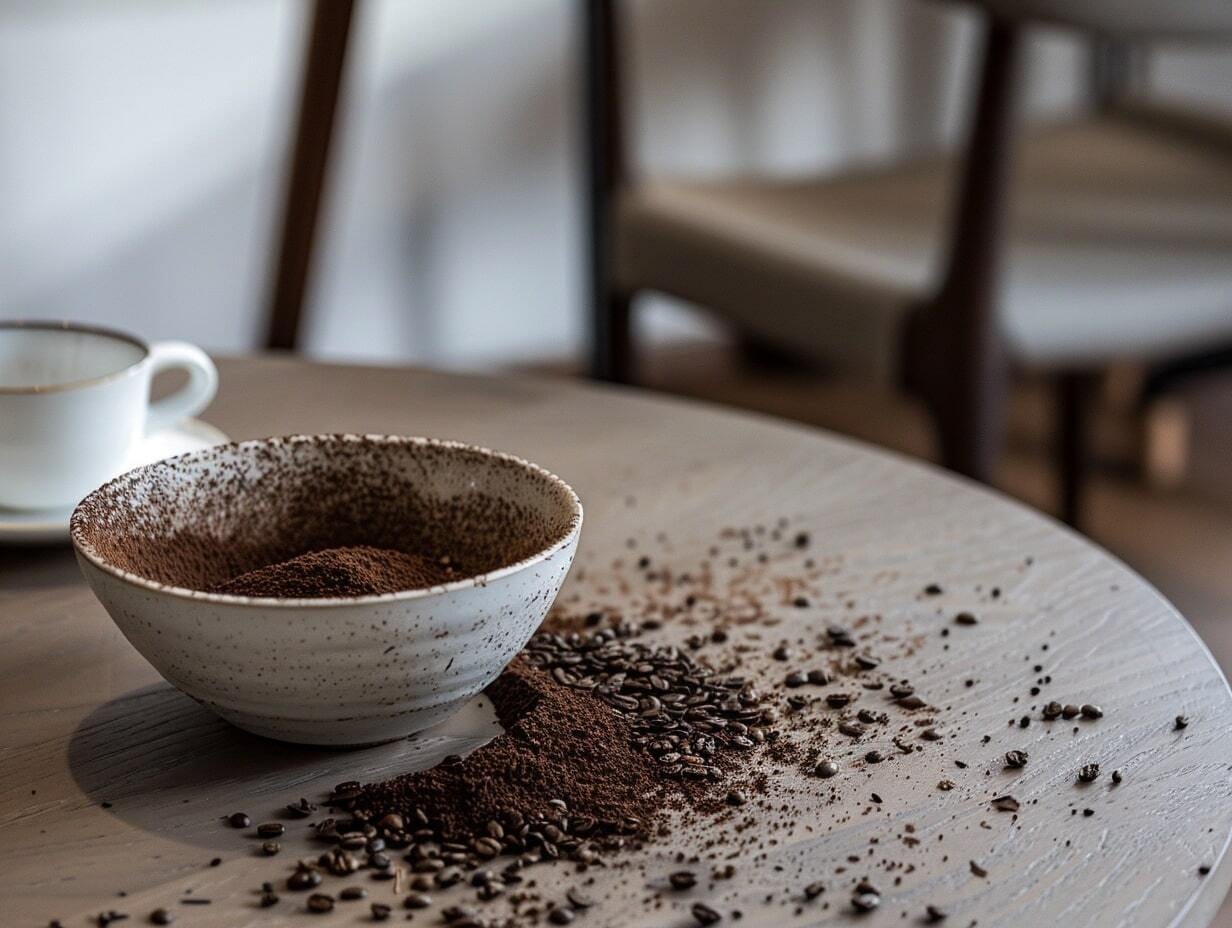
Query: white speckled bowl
x=345, y=671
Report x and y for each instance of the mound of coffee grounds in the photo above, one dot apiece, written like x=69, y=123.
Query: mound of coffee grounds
x=563, y=773
x=355, y=570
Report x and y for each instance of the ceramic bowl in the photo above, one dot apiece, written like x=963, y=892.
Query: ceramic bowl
x=342, y=671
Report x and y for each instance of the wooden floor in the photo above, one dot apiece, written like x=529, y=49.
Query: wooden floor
x=1180, y=539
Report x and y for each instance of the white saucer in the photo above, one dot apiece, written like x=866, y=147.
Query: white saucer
x=44, y=526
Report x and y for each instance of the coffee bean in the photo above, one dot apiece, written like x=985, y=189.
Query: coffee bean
x=901, y=690
x=303, y=878
x=1116, y=776
x=270, y=848
x=448, y=877
x=457, y=913
x=840, y=637
x=1182, y=721
x=301, y=809
x=380, y=912
x=966, y=618
x=352, y=893
x=578, y=899
x=867, y=662
x=682, y=879
x=912, y=702
x=874, y=757
x=813, y=890
x=838, y=700
x=391, y=822
x=238, y=820
x=818, y=677
x=933, y=589
x=161, y=917
x=851, y=729
x=933, y=914
x=268, y=898
x=704, y=915
x=1005, y=804
x=490, y=891
x=781, y=653
x=930, y=734
x=271, y=830
x=1070, y=711
x=1088, y=773
x=945, y=785
x=795, y=679
x=320, y=903
x=1015, y=759
x=826, y=769
x=735, y=798
x=1053, y=710
x=1091, y=712
x=864, y=903
x=486, y=847
x=417, y=901
x=560, y=916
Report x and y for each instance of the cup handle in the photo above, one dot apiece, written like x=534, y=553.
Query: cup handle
x=194, y=397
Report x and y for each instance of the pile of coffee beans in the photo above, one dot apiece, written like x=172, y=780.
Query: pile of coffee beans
x=681, y=712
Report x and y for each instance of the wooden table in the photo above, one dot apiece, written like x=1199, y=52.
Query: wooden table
x=112, y=782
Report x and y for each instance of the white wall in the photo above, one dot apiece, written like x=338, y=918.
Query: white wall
x=141, y=144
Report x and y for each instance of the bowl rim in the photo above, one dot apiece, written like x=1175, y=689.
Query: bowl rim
x=78, y=525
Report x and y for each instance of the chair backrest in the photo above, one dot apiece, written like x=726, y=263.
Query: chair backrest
x=1191, y=20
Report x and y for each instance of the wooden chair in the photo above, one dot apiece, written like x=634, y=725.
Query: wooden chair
x=1118, y=243
x=320, y=88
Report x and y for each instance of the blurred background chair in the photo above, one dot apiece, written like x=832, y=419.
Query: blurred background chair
x=1062, y=249
x=320, y=87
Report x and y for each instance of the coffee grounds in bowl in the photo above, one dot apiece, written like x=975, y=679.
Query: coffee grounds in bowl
x=353, y=570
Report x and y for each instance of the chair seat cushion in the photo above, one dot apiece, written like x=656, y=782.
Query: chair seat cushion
x=1120, y=246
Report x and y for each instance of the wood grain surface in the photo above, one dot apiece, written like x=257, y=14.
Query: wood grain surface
x=111, y=782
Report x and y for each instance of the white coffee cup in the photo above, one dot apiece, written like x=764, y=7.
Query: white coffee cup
x=75, y=399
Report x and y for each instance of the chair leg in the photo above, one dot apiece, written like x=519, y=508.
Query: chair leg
x=1076, y=391
x=760, y=355
x=970, y=430
x=612, y=345
x=963, y=381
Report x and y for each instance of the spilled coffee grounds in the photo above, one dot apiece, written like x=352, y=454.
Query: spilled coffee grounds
x=757, y=714
x=356, y=570
x=562, y=749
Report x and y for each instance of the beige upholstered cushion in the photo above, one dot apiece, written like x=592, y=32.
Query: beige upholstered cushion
x=1121, y=246
x=1189, y=19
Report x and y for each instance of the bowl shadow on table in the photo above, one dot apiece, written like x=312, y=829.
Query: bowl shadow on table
x=165, y=764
